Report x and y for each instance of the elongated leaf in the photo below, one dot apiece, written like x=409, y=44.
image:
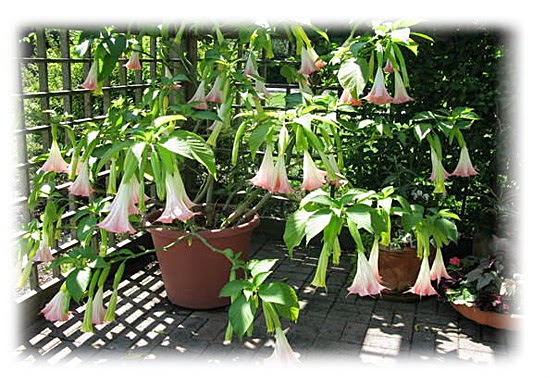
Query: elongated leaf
x=159, y=121
x=318, y=221
x=191, y=146
x=77, y=281
x=233, y=288
x=295, y=227
x=278, y=292
x=241, y=315
x=114, y=46
x=351, y=76
x=261, y=266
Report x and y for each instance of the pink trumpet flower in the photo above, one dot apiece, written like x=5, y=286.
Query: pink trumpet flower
x=439, y=174
x=379, y=94
x=117, y=221
x=55, y=308
x=347, y=98
x=44, y=252
x=98, y=310
x=423, y=285
x=250, y=67
x=266, y=173
x=283, y=353
x=365, y=282
x=82, y=186
x=313, y=177
x=260, y=87
x=216, y=94
x=464, y=167
x=55, y=162
x=91, y=80
x=133, y=63
x=373, y=260
x=388, y=67
x=281, y=183
x=177, y=203
x=310, y=62
x=400, y=96
x=199, y=98
x=438, y=270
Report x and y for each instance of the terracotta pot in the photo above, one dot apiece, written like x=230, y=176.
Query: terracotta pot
x=493, y=319
x=193, y=274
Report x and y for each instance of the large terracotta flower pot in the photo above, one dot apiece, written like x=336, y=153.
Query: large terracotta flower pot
x=493, y=319
x=193, y=274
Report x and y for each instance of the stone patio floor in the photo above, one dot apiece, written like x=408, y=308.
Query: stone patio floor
x=333, y=328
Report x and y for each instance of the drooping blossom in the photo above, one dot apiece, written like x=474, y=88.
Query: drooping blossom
x=178, y=205
x=91, y=80
x=266, y=172
x=388, y=67
x=216, y=94
x=373, y=260
x=133, y=63
x=439, y=174
x=400, y=96
x=313, y=177
x=260, y=88
x=135, y=189
x=281, y=183
x=310, y=62
x=423, y=285
x=464, y=167
x=438, y=270
x=365, y=282
x=117, y=220
x=56, y=308
x=250, y=67
x=82, y=186
x=379, y=94
x=199, y=98
x=320, y=277
x=55, y=162
x=454, y=261
x=347, y=98
x=98, y=310
x=44, y=252
x=283, y=353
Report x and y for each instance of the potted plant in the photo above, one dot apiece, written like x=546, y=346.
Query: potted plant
x=156, y=147
x=485, y=290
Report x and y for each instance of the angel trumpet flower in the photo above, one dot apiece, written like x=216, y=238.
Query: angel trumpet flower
x=177, y=202
x=464, y=167
x=438, y=270
x=250, y=67
x=373, y=260
x=400, y=96
x=199, y=98
x=117, y=221
x=379, y=94
x=98, y=310
x=423, y=284
x=55, y=162
x=266, y=173
x=347, y=98
x=44, y=252
x=283, y=353
x=133, y=63
x=55, y=309
x=216, y=93
x=365, y=282
x=82, y=186
x=91, y=80
x=439, y=174
x=313, y=177
x=310, y=62
x=281, y=183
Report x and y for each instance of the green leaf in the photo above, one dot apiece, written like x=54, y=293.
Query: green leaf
x=233, y=288
x=114, y=46
x=241, y=315
x=295, y=229
x=317, y=223
x=259, y=136
x=192, y=146
x=278, y=292
x=362, y=215
x=159, y=121
x=77, y=281
x=261, y=266
x=351, y=76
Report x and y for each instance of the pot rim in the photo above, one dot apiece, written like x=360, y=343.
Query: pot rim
x=209, y=233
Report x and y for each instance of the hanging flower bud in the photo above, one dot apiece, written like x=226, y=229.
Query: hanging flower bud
x=400, y=96
x=133, y=63
x=388, y=67
x=216, y=93
x=117, y=220
x=199, y=98
x=439, y=174
x=82, y=186
x=283, y=353
x=379, y=94
x=438, y=270
x=91, y=80
x=365, y=282
x=177, y=203
x=98, y=310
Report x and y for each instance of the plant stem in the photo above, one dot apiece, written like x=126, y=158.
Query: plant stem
x=241, y=209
